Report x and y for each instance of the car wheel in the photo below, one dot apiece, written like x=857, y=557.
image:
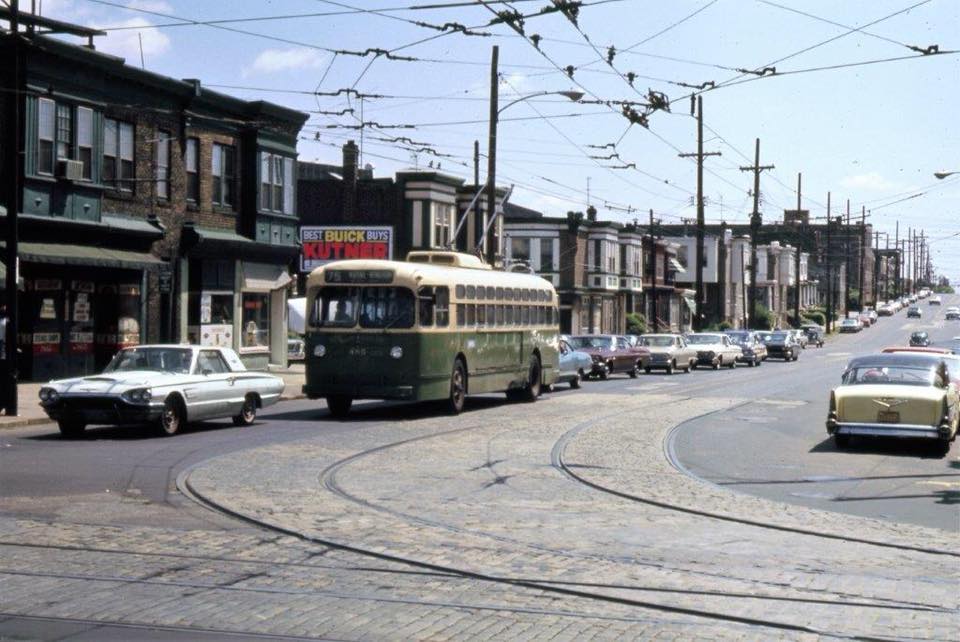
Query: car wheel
x=603, y=374
x=753, y=363
x=458, y=388
x=646, y=370
x=634, y=371
x=248, y=412
x=172, y=418
x=339, y=405
x=71, y=428
x=942, y=447
x=841, y=441
x=671, y=367
x=691, y=365
x=577, y=380
x=733, y=364
x=716, y=364
x=532, y=390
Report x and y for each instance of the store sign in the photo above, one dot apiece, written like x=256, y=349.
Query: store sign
x=322, y=244
x=81, y=343
x=217, y=335
x=46, y=343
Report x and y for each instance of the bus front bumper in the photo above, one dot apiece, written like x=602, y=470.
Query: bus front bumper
x=361, y=391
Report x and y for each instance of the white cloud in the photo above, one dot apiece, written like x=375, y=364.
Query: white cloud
x=278, y=60
x=869, y=181
x=126, y=42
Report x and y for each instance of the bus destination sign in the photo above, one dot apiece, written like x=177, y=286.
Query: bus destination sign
x=326, y=243
x=358, y=276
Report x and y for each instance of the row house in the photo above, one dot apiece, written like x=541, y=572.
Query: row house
x=602, y=270
x=151, y=210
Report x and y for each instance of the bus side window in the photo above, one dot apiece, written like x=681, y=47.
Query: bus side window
x=425, y=303
x=443, y=306
x=461, y=291
x=471, y=314
x=525, y=315
x=500, y=315
x=460, y=314
x=471, y=292
x=490, y=315
x=508, y=311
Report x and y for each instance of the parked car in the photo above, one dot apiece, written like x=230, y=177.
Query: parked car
x=611, y=353
x=872, y=314
x=800, y=337
x=953, y=313
x=296, y=349
x=814, y=336
x=574, y=365
x=920, y=339
x=714, y=350
x=886, y=310
x=166, y=385
x=669, y=352
x=780, y=345
x=914, y=312
x=851, y=325
x=935, y=300
x=895, y=395
x=865, y=320
x=753, y=351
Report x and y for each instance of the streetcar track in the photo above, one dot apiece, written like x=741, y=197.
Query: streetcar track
x=184, y=482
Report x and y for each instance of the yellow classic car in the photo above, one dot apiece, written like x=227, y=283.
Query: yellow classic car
x=895, y=395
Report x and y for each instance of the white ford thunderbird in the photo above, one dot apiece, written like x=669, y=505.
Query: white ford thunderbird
x=165, y=385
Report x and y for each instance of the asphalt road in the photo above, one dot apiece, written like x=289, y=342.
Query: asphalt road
x=777, y=447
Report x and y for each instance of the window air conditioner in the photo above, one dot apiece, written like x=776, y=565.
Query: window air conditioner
x=72, y=170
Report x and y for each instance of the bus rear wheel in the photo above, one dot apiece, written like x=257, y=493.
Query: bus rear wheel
x=339, y=405
x=458, y=388
x=532, y=389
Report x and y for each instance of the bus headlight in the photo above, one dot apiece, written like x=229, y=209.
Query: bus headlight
x=319, y=350
x=396, y=352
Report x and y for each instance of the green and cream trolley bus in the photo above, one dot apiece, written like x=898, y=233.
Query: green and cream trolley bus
x=438, y=326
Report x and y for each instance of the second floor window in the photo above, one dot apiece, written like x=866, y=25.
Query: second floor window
x=546, y=255
x=442, y=225
x=224, y=175
x=276, y=183
x=85, y=140
x=161, y=167
x=64, y=132
x=46, y=135
x=118, y=154
x=520, y=249
x=192, y=163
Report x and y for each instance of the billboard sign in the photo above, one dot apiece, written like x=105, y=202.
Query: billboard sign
x=322, y=244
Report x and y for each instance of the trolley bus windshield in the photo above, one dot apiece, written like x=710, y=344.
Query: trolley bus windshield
x=373, y=307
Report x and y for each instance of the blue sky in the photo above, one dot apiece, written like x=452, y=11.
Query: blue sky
x=873, y=134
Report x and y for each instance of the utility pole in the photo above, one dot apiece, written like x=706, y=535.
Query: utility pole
x=908, y=247
x=896, y=246
x=846, y=264
x=876, y=269
x=828, y=257
x=700, y=155
x=13, y=168
x=796, y=257
x=861, y=241
x=755, y=221
x=653, y=277
x=492, y=149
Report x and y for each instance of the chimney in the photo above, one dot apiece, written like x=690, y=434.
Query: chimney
x=350, y=154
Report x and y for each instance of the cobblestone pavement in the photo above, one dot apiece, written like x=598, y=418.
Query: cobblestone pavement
x=557, y=520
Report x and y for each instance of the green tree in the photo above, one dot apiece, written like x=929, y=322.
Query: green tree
x=636, y=323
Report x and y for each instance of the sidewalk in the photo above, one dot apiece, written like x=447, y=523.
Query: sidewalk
x=30, y=412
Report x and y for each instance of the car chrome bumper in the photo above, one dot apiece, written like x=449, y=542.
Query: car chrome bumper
x=922, y=431
x=103, y=411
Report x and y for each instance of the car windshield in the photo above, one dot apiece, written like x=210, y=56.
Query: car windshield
x=899, y=375
x=591, y=342
x=158, y=359
x=658, y=342
x=849, y=322
x=375, y=307
x=772, y=337
x=704, y=339
x=739, y=337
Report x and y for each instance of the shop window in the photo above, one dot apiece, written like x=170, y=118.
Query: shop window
x=256, y=320
x=192, y=163
x=224, y=172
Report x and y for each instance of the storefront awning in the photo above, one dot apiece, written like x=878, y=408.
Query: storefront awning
x=61, y=254
x=264, y=277
x=208, y=243
x=676, y=266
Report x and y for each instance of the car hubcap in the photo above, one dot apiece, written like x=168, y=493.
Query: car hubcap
x=458, y=387
x=249, y=411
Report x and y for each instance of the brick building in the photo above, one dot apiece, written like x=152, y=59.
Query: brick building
x=152, y=210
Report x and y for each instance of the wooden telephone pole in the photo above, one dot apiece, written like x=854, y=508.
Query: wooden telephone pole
x=699, y=155
x=755, y=221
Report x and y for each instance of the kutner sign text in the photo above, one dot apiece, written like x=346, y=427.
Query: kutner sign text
x=322, y=244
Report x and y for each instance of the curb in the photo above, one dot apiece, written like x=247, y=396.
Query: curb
x=20, y=423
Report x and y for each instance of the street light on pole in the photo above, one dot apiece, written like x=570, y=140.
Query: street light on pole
x=495, y=111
